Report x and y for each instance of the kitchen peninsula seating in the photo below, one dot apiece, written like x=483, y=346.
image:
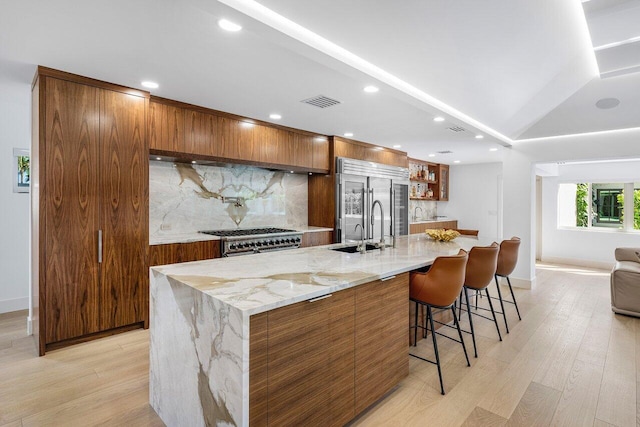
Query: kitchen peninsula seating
x=625, y=282
x=507, y=260
x=481, y=268
x=439, y=288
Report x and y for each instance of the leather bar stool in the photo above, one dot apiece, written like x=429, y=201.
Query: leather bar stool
x=507, y=260
x=480, y=271
x=438, y=288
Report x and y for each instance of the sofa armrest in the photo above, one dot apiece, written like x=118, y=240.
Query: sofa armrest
x=628, y=254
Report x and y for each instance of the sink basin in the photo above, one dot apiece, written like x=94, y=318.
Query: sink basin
x=354, y=249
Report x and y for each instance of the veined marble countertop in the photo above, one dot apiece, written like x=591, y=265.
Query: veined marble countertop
x=199, y=237
x=261, y=282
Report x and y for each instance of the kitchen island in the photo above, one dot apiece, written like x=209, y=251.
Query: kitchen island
x=220, y=330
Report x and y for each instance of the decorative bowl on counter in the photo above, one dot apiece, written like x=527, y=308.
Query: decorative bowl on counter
x=441, y=234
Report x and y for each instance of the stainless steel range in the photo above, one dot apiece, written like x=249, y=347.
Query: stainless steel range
x=243, y=241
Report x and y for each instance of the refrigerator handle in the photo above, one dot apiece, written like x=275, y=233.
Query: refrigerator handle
x=392, y=208
x=339, y=208
x=370, y=216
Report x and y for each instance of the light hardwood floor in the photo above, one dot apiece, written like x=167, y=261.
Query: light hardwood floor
x=570, y=361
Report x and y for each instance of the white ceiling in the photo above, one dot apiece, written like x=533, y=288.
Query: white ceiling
x=499, y=68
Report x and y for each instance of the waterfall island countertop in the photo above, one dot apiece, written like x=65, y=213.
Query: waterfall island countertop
x=200, y=312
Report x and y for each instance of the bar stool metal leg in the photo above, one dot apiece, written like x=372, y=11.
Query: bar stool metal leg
x=415, y=332
x=513, y=297
x=504, y=313
x=464, y=347
x=473, y=334
x=493, y=313
x=435, y=346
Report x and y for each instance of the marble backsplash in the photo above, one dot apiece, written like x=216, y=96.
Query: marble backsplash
x=429, y=209
x=186, y=198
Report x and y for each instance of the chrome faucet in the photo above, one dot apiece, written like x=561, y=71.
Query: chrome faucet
x=415, y=215
x=381, y=244
x=362, y=247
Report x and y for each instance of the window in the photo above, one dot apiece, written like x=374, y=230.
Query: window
x=599, y=205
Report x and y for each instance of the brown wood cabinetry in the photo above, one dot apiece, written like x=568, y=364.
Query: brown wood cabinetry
x=310, y=362
x=443, y=172
x=381, y=338
x=323, y=361
x=316, y=238
x=90, y=201
x=420, y=227
x=173, y=253
x=187, y=132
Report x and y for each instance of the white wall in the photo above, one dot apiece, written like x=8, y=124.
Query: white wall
x=15, y=131
x=593, y=247
x=474, y=193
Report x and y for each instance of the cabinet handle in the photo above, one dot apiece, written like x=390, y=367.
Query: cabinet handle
x=100, y=246
x=387, y=278
x=319, y=298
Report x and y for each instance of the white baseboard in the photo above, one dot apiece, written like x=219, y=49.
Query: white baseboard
x=9, y=305
x=579, y=262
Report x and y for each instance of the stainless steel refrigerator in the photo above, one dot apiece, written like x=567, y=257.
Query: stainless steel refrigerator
x=359, y=184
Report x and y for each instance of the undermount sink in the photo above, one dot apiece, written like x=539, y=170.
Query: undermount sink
x=354, y=249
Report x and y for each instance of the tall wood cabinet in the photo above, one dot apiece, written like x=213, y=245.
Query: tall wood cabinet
x=90, y=208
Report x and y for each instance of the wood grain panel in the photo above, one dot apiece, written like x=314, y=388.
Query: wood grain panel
x=382, y=358
x=38, y=208
x=201, y=133
x=174, y=253
x=124, y=192
x=321, y=201
x=303, y=149
x=321, y=157
x=258, y=370
x=317, y=238
x=72, y=210
x=311, y=359
x=422, y=226
x=166, y=127
x=443, y=183
x=369, y=152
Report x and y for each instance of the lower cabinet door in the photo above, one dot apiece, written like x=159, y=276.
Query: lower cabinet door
x=310, y=362
x=382, y=324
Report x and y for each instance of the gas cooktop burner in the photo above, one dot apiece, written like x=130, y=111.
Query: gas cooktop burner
x=253, y=240
x=247, y=231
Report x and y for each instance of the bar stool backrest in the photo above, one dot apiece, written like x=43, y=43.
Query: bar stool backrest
x=508, y=256
x=481, y=266
x=441, y=285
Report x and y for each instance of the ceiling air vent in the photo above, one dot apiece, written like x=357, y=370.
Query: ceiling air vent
x=456, y=129
x=445, y=152
x=321, y=101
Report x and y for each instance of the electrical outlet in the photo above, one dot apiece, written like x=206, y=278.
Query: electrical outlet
x=165, y=227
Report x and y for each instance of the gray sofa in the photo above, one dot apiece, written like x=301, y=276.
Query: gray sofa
x=625, y=282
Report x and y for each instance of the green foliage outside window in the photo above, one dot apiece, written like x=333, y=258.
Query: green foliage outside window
x=582, y=207
x=636, y=207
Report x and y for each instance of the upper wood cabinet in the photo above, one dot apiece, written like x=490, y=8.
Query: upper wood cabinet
x=90, y=202
x=369, y=152
x=188, y=132
x=443, y=182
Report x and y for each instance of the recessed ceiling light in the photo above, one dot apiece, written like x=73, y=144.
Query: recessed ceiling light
x=438, y=119
x=347, y=134
x=371, y=89
x=456, y=161
x=149, y=84
x=606, y=103
x=225, y=24
x=158, y=158
x=493, y=149
x=397, y=146
x=432, y=155
x=275, y=116
x=479, y=136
